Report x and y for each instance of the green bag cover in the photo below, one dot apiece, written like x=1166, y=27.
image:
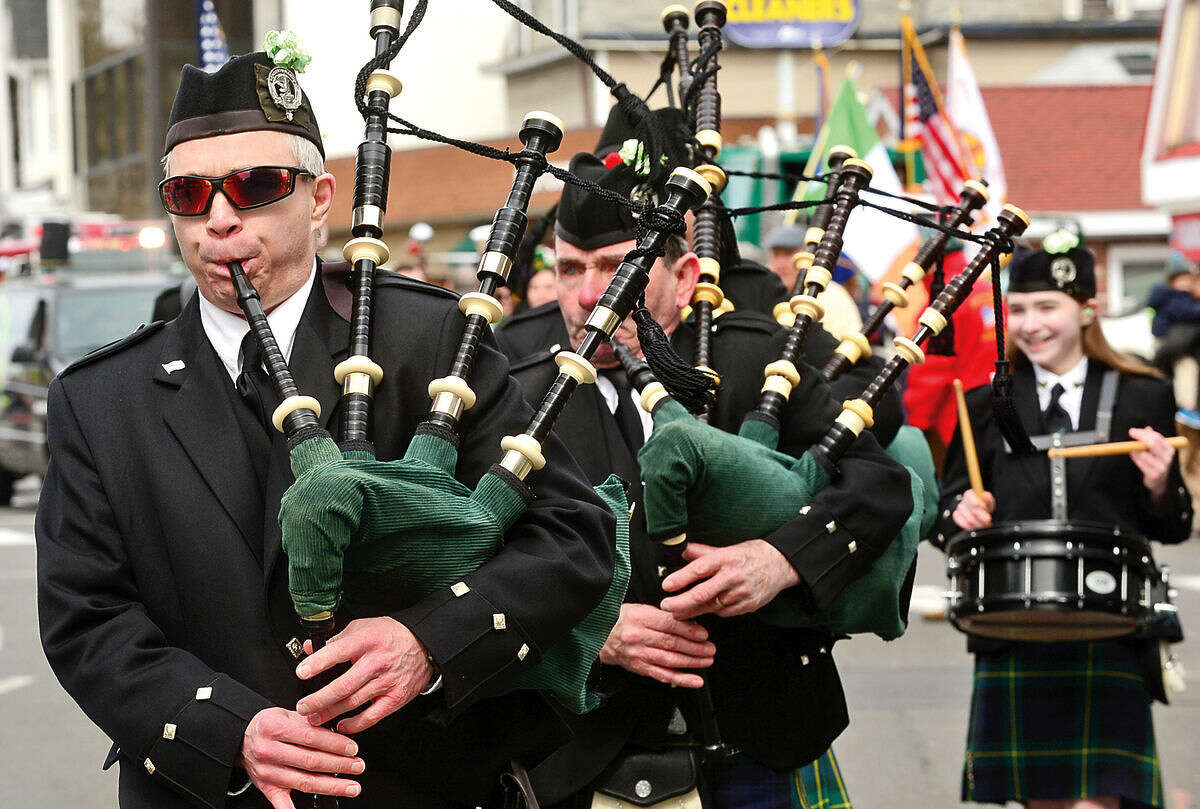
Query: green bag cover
x=910, y=448
x=722, y=488
x=370, y=532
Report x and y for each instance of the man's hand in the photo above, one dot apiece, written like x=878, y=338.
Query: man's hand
x=652, y=643
x=281, y=751
x=1154, y=461
x=732, y=581
x=388, y=667
x=971, y=513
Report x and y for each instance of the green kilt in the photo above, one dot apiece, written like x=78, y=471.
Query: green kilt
x=819, y=785
x=1058, y=721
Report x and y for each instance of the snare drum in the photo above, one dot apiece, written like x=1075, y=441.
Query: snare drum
x=1046, y=580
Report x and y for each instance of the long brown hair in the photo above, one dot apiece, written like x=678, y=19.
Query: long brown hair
x=1095, y=346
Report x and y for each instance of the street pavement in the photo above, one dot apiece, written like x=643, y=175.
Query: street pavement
x=903, y=750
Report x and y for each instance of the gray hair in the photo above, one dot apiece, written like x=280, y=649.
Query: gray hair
x=304, y=152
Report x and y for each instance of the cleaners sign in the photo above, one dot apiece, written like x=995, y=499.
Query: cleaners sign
x=791, y=23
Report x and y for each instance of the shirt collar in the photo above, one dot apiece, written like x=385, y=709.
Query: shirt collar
x=225, y=330
x=1073, y=378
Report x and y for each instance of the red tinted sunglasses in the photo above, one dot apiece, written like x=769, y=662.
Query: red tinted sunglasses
x=190, y=195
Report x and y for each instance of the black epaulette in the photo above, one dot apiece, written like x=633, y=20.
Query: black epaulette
x=536, y=313
x=534, y=359
x=389, y=278
x=143, y=331
x=749, y=319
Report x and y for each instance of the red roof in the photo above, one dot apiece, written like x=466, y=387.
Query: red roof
x=1074, y=148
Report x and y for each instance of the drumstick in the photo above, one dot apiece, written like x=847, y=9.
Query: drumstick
x=1115, y=448
x=968, y=441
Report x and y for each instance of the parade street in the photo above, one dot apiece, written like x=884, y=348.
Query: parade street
x=908, y=700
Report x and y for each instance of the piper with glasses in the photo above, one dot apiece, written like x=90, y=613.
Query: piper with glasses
x=163, y=592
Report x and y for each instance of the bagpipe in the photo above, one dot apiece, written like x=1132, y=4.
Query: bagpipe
x=973, y=197
x=803, y=258
x=704, y=484
x=360, y=532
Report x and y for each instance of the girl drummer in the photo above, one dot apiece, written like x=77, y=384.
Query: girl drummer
x=1066, y=725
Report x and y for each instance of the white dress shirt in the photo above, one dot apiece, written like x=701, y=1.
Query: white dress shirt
x=225, y=330
x=609, y=391
x=1072, y=382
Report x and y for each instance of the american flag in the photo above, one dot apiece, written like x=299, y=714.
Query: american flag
x=931, y=128
x=210, y=37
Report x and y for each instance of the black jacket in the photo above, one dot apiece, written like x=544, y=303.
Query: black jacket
x=162, y=592
x=1099, y=490
x=777, y=691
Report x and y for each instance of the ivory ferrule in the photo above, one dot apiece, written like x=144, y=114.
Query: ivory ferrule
x=909, y=350
x=652, y=395
x=710, y=270
x=896, y=294
x=934, y=319
x=714, y=175
x=710, y=139
x=802, y=260
x=576, y=366
x=496, y=263
x=370, y=216
x=386, y=81
x=854, y=347
x=914, y=272
x=604, y=319
x=860, y=409
x=358, y=364
x=814, y=235
x=365, y=247
x=979, y=188
x=1017, y=212
x=785, y=369
x=527, y=446
x=477, y=303
x=725, y=307
x=819, y=276
x=851, y=421
x=806, y=305
x=778, y=384
x=290, y=405
x=783, y=313
x=454, y=386
x=706, y=292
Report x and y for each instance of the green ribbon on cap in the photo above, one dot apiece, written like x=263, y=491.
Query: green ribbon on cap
x=1060, y=241
x=285, y=50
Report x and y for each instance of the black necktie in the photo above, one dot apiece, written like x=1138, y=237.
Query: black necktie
x=629, y=421
x=253, y=384
x=1054, y=417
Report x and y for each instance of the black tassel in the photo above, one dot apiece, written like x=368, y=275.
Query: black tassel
x=1004, y=408
x=692, y=388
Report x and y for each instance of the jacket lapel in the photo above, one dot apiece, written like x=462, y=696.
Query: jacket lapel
x=202, y=420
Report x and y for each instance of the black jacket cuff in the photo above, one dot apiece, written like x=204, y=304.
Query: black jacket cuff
x=199, y=746
x=823, y=552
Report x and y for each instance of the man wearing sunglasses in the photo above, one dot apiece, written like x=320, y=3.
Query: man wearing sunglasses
x=162, y=595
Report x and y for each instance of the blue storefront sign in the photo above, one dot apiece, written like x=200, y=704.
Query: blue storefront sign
x=791, y=23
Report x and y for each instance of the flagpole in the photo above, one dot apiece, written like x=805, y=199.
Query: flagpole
x=910, y=166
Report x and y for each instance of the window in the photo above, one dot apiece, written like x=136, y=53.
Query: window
x=1132, y=271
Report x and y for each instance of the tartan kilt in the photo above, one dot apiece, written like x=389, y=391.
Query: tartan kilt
x=819, y=785
x=1058, y=721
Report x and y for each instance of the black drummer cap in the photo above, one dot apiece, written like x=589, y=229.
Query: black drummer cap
x=242, y=96
x=589, y=221
x=1072, y=272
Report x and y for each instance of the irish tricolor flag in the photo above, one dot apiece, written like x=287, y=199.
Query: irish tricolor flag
x=875, y=241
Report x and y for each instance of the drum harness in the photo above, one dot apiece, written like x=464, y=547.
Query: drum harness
x=1058, y=466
